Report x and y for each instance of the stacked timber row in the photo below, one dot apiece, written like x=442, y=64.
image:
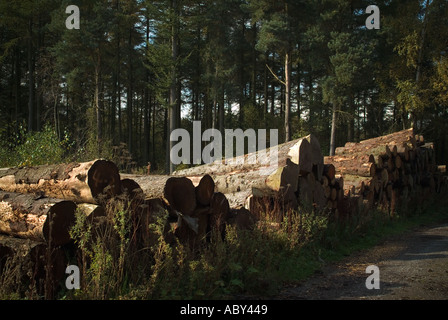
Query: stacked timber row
x=384, y=171
x=262, y=187
x=192, y=208
x=37, y=210
x=38, y=205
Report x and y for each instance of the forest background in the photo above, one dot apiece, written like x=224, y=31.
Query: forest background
x=137, y=69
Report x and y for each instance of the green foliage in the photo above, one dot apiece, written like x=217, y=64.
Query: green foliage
x=35, y=148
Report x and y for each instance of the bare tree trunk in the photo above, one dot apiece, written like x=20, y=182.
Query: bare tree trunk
x=99, y=127
x=172, y=112
x=130, y=93
x=287, y=96
x=333, y=131
x=30, y=77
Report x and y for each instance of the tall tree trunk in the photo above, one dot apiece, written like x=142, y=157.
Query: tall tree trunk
x=147, y=109
x=130, y=93
x=221, y=111
x=265, y=93
x=16, y=90
x=287, y=96
x=30, y=77
x=99, y=127
x=113, y=108
x=299, y=98
x=333, y=131
x=172, y=110
x=311, y=101
x=241, y=72
x=39, y=98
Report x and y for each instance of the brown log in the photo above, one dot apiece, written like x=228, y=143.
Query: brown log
x=204, y=190
x=131, y=189
x=280, y=181
x=149, y=212
x=299, y=152
x=317, y=158
x=240, y=179
x=339, y=181
x=305, y=191
x=319, y=198
x=403, y=136
x=390, y=144
x=383, y=176
x=354, y=164
x=87, y=182
x=40, y=219
x=358, y=182
x=237, y=185
x=151, y=185
x=333, y=194
x=180, y=194
x=219, y=211
x=329, y=171
x=327, y=191
x=403, y=151
x=398, y=161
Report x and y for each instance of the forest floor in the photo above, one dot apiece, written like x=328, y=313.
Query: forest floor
x=413, y=265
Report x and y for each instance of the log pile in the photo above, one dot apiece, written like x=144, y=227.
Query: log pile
x=259, y=186
x=38, y=207
x=38, y=204
x=384, y=171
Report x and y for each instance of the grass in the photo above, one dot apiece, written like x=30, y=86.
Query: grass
x=114, y=265
x=380, y=228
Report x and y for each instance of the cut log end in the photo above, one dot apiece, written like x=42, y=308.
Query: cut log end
x=104, y=180
x=61, y=218
x=205, y=189
x=180, y=194
x=219, y=210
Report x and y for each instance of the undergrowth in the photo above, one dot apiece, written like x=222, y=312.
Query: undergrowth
x=113, y=265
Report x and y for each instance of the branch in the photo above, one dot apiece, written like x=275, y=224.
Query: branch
x=272, y=72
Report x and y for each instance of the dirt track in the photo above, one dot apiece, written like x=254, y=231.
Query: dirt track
x=412, y=266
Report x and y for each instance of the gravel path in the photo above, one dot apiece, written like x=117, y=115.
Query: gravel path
x=412, y=266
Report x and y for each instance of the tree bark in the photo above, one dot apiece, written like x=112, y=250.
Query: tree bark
x=39, y=219
x=172, y=109
x=287, y=96
x=333, y=131
x=31, y=90
x=87, y=182
x=356, y=165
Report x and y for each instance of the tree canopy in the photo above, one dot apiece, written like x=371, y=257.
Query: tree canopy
x=137, y=69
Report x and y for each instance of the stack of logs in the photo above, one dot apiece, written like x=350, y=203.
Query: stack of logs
x=38, y=204
x=384, y=171
x=37, y=211
x=252, y=182
x=38, y=207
